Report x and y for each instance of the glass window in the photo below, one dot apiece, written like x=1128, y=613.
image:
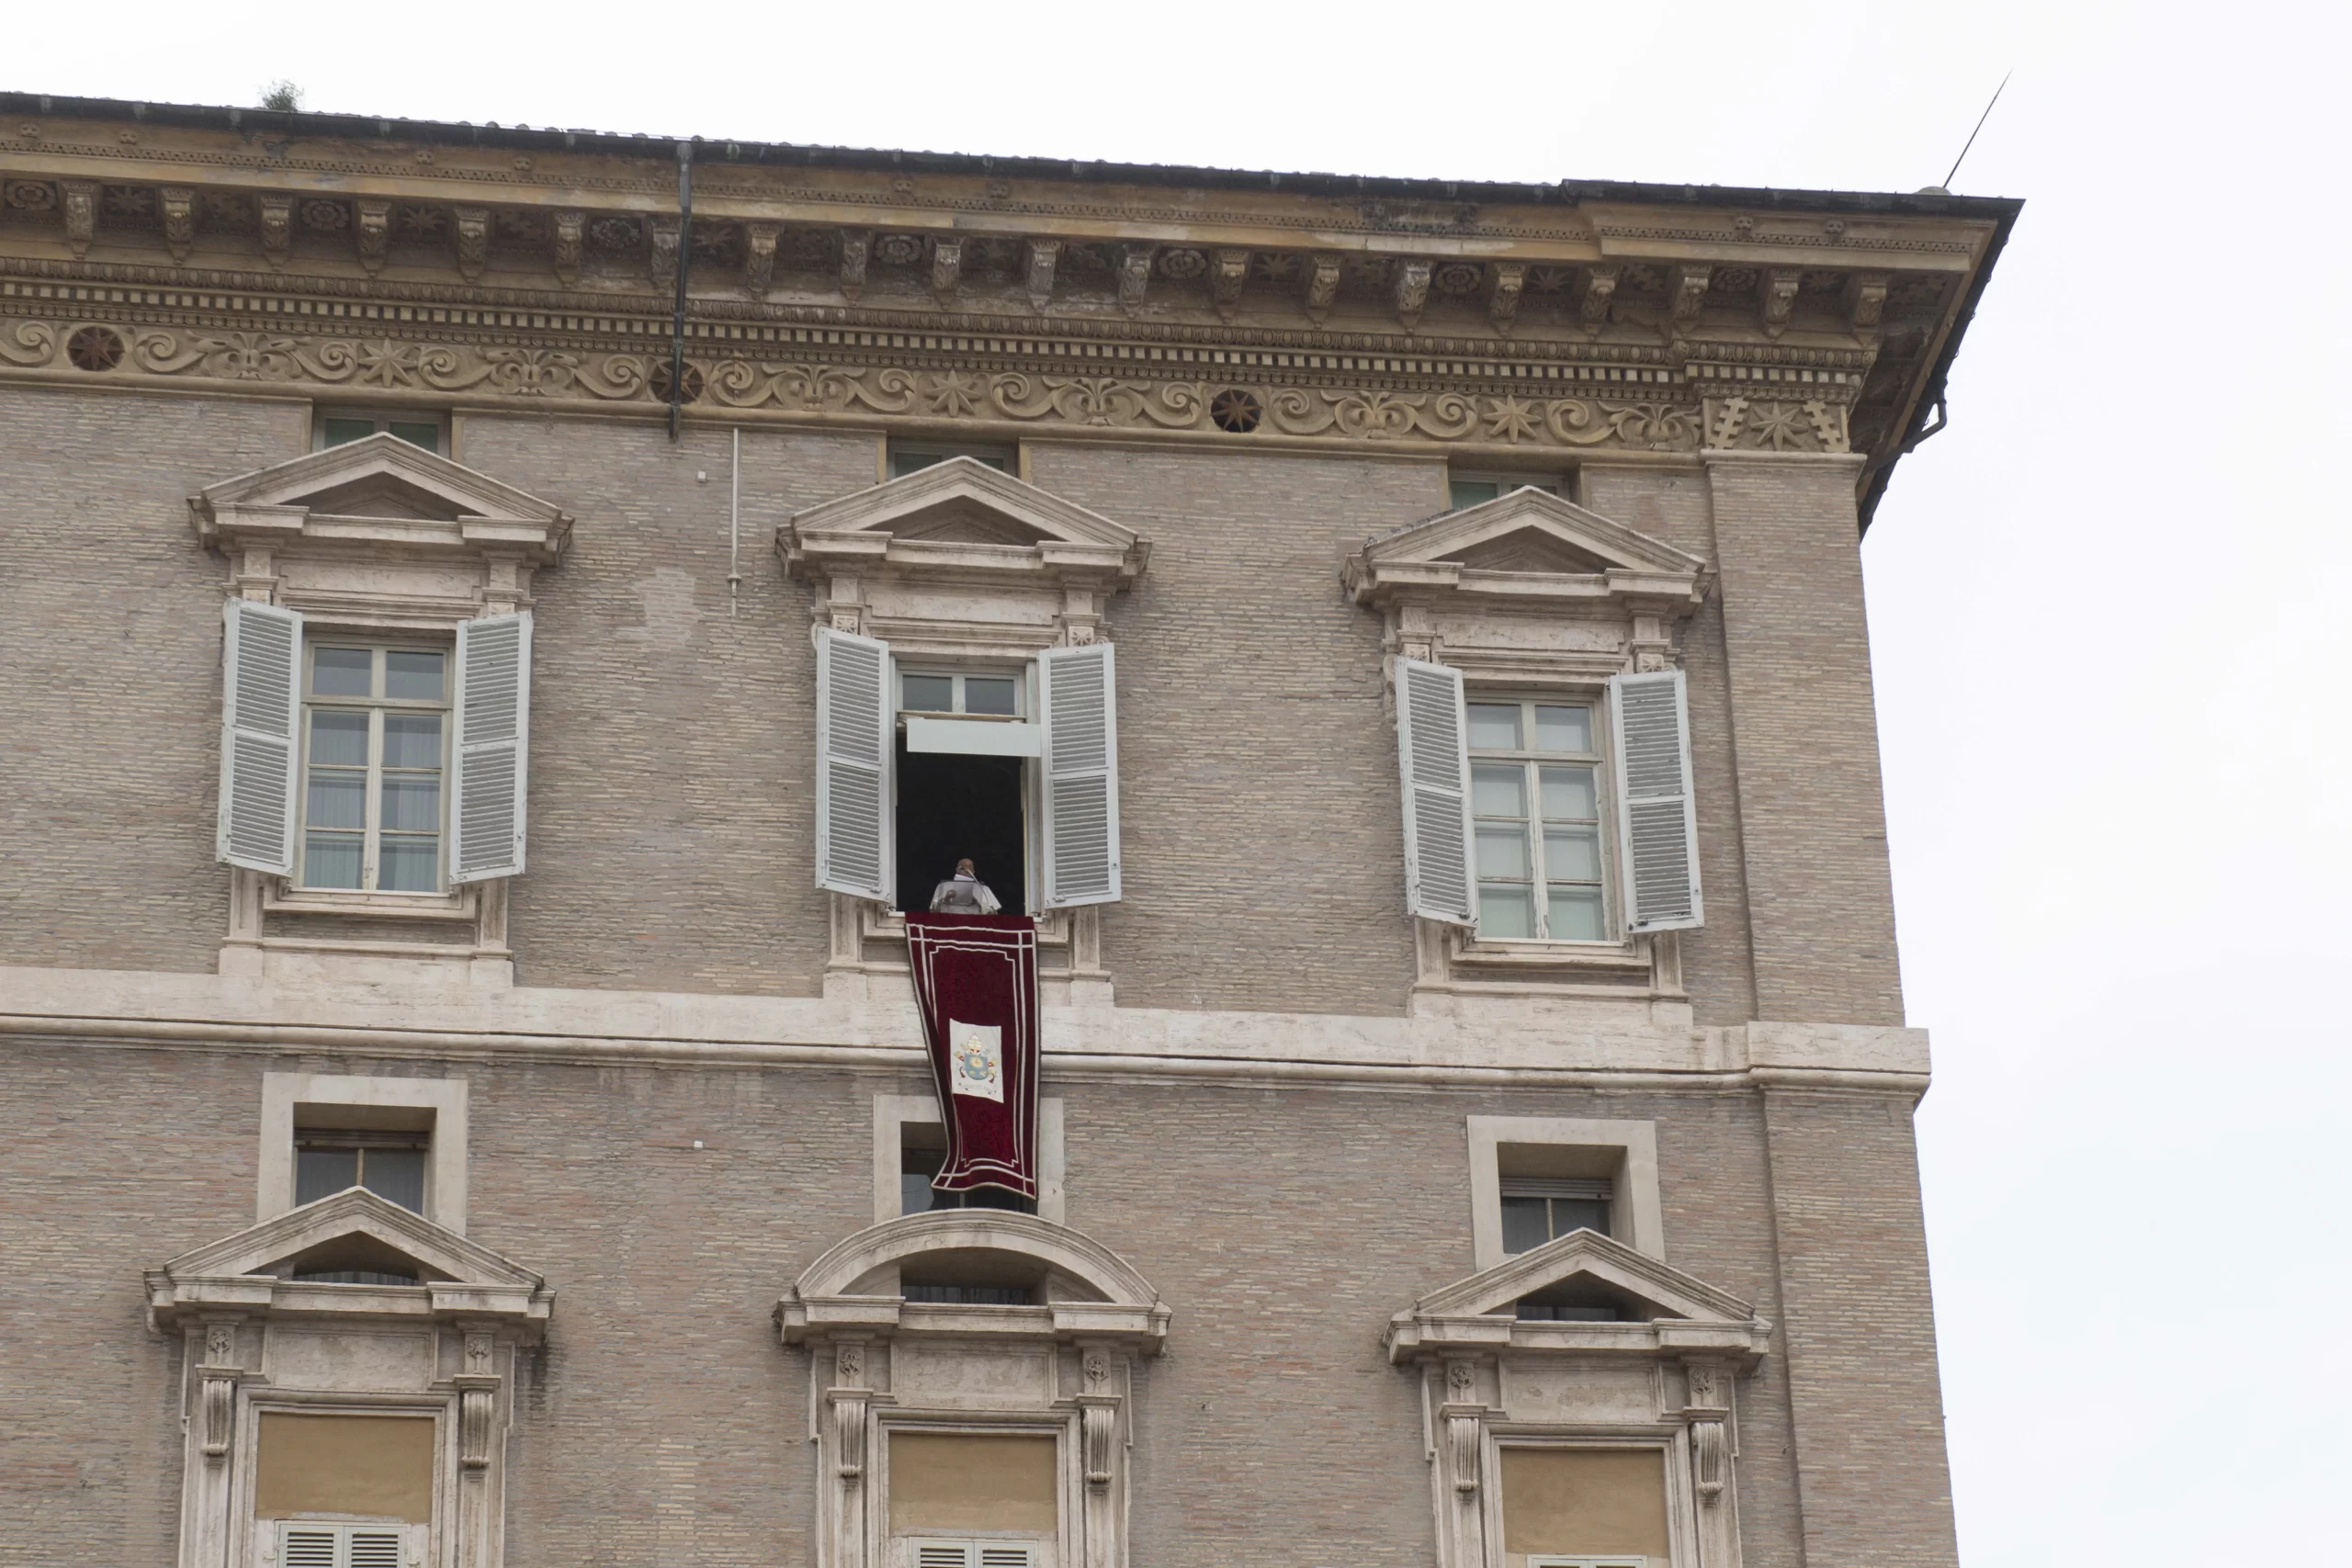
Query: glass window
x=907, y=459
x=1469, y=489
x=375, y=751
x=918, y=1196
x=989, y=694
x=1538, y=1212
x=391, y=1166
x=1536, y=801
x=339, y=426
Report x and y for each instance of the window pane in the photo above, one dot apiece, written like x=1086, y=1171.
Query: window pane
x=1498, y=791
x=905, y=463
x=408, y=864
x=989, y=694
x=343, y=671
x=1575, y=915
x=1470, y=493
x=1572, y=854
x=331, y=859
x=337, y=799
x=339, y=431
x=927, y=694
x=1562, y=729
x=322, y=1173
x=1523, y=1225
x=339, y=741
x=424, y=434
x=410, y=803
x=1494, y=727
x=412, y=676
x=915, y=1194
x=1503, y=854
x=1570, y=1214
x=1570, y=796
x=396, y=1174
x=411, y=740
x=1504, y=912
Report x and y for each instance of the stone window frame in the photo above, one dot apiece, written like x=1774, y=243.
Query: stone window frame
x=879, y=1363
x=893, y=1114
x=1534, y=632
x=1634, y=1197
x=942, y=602
x=448, y=1349
x=377, y=579
x=284, y=1096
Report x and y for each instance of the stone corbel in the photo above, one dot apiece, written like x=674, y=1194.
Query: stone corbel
x=1042, y=256
x=1502, y=304
x=373, y=228
x=661, y=250
x=857, y=245
x=759, y=258
x=946, y=270
x=80, y=200
x=1781, y=285
x=1322, y=286
x=1135, y=277
x=1707, y=1411
x=850, y=1401
x=1651, y=648
x=216, y=1410
x=1461, y=1438
x=1228, y=271
x=178, y=206
x=473, y=225
x=569, y=227
x=1691, y=285
x=1412, y=292
x=1600, y=288
x=1866, y=298
x=477, y=1400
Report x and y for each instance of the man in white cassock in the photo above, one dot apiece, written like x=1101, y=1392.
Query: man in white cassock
x=963, y=893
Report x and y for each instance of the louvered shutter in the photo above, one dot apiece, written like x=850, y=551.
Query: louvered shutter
x=1081, y=718
x=494, y=726
x=309, y=1546
x=854, y=746
x=261, y=716
x=374, y=1548
x=942, y=1554
x=1657, y=826
x=999, y=1554
x=1433, y=747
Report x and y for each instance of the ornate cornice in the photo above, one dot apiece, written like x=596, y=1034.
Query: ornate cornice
x=464, y=267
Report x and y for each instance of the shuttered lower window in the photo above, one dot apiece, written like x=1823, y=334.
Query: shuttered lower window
x=936, y=1552
x=302, y=1544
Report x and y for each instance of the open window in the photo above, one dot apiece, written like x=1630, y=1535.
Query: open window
x=967, y=708
x=1543, y=742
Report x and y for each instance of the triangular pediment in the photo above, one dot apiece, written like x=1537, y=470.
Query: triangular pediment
x=1587, y=1265
x=355, y=1229
x=1529, y=531
x=382, y=476
x=956, y=513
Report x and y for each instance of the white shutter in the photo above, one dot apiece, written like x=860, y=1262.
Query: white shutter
x=494, y=726
x=854, y=746
x=374, y=1548
x=999, y=1554
x=940, y=1553
x=1080, y=711
x=1657, y=828
x=1433, y=748
x=261, y=715
x=309, y=1546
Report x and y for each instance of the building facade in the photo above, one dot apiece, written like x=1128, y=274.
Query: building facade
x=506, y=620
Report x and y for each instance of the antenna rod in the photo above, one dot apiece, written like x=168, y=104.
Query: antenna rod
x=1979, y=125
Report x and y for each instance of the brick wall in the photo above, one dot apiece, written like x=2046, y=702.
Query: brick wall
x=110, y=713
x=1804, y=736
x=663, y=1423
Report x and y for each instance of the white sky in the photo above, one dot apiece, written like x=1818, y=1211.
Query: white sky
x=2110, y=687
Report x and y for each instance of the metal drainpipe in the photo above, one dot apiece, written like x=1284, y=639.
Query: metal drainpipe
x=734, y=521
x=685, y=254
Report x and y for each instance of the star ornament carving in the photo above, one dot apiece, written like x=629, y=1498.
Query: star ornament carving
x=955, y=394
x=1510, y=419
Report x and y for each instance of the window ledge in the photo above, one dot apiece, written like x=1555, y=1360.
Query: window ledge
x=461, y=904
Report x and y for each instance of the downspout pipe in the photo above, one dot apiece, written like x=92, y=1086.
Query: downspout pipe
x=685, y=254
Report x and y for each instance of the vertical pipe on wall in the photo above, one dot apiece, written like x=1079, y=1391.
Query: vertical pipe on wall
x=734, y=519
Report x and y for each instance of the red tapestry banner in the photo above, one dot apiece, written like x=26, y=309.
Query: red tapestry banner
x=976, y=985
